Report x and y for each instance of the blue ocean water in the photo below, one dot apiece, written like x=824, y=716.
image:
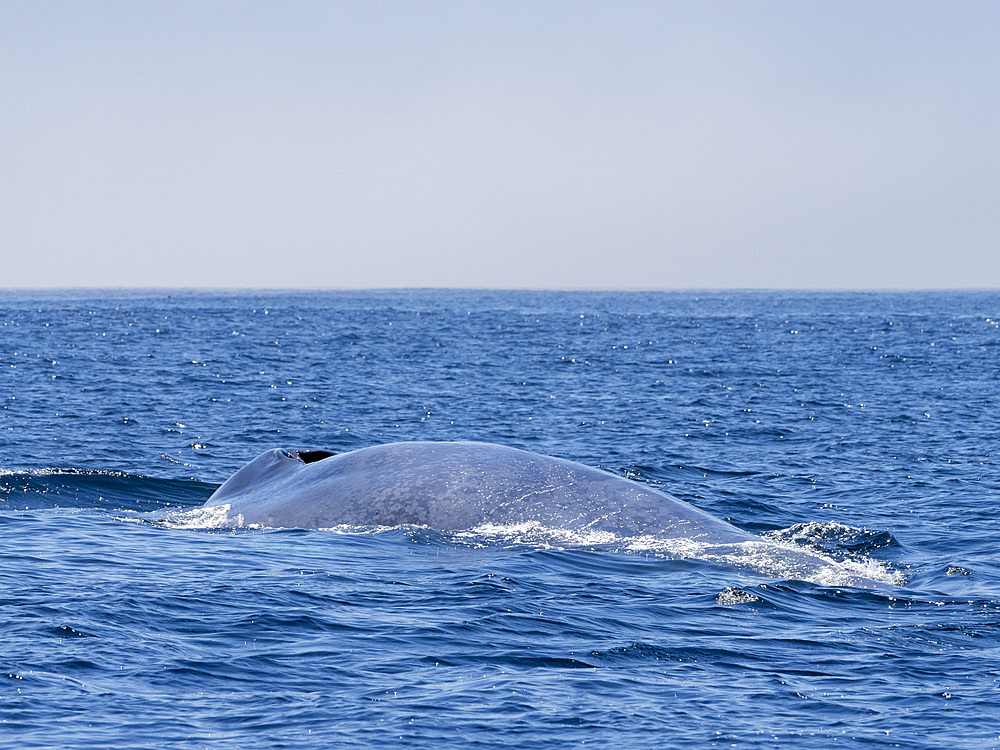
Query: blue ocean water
x=863, y=425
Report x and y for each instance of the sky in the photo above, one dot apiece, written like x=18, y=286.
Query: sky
x=506, y=144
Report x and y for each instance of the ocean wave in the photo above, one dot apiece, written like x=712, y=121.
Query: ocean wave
x=97, y=489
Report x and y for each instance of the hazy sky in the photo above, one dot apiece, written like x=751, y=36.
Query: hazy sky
x=500, y=144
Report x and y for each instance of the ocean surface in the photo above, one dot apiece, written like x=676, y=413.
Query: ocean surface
x=865, y=426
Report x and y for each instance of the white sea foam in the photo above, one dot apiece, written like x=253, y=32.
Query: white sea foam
x=774, y=557
x=536, y=534
x=52, y=472
x=770, y=558
x=212, y=517
x=733, y=595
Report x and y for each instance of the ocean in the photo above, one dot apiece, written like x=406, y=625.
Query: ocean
x=863, y=426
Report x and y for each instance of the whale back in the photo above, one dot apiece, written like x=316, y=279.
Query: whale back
x=457, y=486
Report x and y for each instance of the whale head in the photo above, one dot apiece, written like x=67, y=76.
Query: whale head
x=269, y=467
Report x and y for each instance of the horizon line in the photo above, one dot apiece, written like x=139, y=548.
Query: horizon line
x=583, y=289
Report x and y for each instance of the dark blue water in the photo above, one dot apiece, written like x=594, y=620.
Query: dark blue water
x=862, y=425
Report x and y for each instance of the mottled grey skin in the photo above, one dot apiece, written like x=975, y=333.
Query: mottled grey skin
x=457, y=486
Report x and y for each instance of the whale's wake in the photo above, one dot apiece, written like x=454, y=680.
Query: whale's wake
x=774, y=557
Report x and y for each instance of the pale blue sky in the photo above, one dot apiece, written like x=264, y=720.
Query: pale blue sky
x=500, y=144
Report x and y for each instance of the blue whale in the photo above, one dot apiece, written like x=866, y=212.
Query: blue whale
x=458, y=486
